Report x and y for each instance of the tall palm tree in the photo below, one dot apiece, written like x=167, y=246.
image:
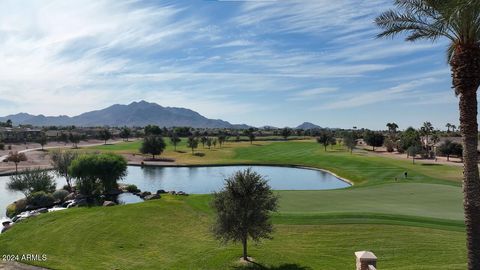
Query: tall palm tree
x=392, y=127
x=426, y=130
x=459, y=22
x=448, y=126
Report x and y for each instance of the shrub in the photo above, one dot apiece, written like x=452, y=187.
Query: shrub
x=32, y=181
x=132, y=188
x=2, y=146
x=449, y=148
x=60, y=195
x=40, y=199
x=16, y=207
x=11, y=210
x=390, y=146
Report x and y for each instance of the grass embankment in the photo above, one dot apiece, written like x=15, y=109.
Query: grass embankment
x=174, y=233
x=409, y=224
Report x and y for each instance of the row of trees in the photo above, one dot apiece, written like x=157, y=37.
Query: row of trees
x=155, y=144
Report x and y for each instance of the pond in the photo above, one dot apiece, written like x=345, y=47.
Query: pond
x=202, y=180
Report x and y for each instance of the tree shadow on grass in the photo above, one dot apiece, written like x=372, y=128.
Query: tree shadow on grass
x=430, y=164
x=286, y=266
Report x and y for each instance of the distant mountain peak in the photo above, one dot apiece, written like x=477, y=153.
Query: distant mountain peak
x=139, y=113
x=308, y=125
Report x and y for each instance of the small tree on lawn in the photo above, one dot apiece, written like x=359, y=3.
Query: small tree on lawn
x=174, y=139
x=413, y=151
x=374, y=139
x=325, y=138
x=74, y=139
x=209, y=142
x=243, y=209
x=125, y=133
x=42, y=140
x=153, y=145
x=61, y=161
x=105, y=135
x=203, y=140
x=16, y=158
x=333, y=141
x=350, y=141
x=286, y=132
x=192, y=143
x=449, y=148
x=221, y=139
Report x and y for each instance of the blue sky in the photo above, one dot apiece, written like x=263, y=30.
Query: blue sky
x=257, y=62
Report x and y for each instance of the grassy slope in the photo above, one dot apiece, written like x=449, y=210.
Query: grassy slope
x=174, y=234
x=316, y=229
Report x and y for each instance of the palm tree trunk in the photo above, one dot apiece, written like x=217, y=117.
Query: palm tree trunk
x=466, y=79
x=244, y=243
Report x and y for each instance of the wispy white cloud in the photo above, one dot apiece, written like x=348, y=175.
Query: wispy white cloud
x=311, y=93
x=235, y=43
x=67, y=57
x=398, y=92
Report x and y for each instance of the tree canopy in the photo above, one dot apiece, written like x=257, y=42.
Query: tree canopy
x=153, y=145
x=98, y=172
x=243, y=208
x=61, y=161
x=325, y=138
x=374, y=139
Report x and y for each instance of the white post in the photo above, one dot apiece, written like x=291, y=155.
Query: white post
x=366, y=260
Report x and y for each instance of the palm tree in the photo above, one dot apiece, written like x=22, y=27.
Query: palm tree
x=392, y=127
x=426, y=130
x=448, y=126
x=453, y=128
x=459, y=22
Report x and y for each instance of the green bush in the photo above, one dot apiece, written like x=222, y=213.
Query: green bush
x=132, y=188
x=16, y=208
x=40, y=199
x=60, y=195
x=2, y=146
x=11, y=210
x=32, y=180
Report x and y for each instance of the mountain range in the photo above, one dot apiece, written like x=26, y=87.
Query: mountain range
x=308, y=125
x=134, y=114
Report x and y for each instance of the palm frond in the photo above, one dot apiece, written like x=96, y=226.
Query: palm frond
x=450, y=51
x=419, y=27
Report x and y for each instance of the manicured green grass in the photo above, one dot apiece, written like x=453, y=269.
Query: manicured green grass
x=127, y=147
x=174, y=233
x=413, y=223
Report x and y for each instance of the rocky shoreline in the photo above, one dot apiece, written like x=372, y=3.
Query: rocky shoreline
x=78, y=200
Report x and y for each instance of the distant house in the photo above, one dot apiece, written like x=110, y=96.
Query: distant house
x=19, y=134
x=53, y=134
